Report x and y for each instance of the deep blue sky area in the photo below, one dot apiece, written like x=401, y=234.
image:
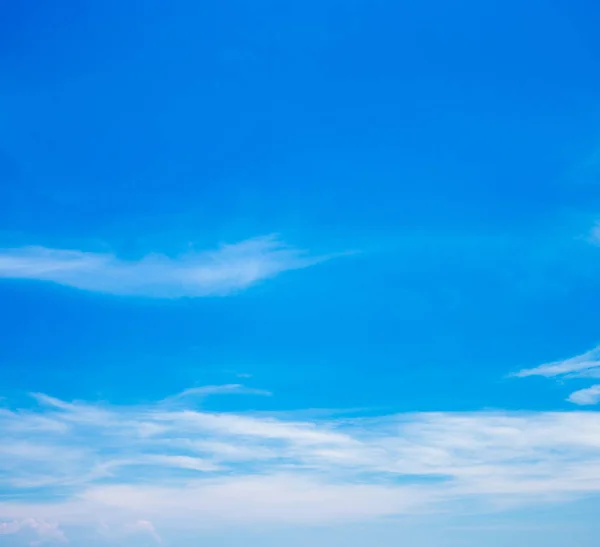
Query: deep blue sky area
x=441, y=159
x=446, y=142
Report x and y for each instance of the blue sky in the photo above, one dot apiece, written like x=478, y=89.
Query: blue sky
x=314, y=272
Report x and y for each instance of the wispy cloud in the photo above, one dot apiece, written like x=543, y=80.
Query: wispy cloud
x=147, y=527
x=44, y=531
x=223, y=271
x=205, y=391
x=119, y=466
x=586, y=365
x=588, y=396
x=575, y=365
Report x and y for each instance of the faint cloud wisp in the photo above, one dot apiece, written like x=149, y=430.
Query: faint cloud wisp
x=586, y=365
x=224, y=271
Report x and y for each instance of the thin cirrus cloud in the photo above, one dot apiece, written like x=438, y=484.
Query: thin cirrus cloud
x=68, y=469
x=579, y=365
x=205, y=391
x=586, y=365
x=223, y=271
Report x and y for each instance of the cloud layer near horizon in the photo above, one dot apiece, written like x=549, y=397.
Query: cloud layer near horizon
x=171, y=466
x=228, y=269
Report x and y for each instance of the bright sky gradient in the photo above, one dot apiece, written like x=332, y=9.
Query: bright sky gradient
x=299, y=273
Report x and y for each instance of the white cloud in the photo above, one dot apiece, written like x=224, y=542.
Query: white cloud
x=586, y=365
x=574, y=366
x=181, y=468
x=7, y=528
x=588, y=396
x=44, y=531
x=228, y=269
x=147, y=527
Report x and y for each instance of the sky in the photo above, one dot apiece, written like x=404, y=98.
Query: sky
x=296, y=273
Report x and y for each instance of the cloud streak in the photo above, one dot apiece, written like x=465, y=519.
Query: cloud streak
x=586, y=365
x=82, y=465
x=224, y=271
x=206, y=391
x=575, y=365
